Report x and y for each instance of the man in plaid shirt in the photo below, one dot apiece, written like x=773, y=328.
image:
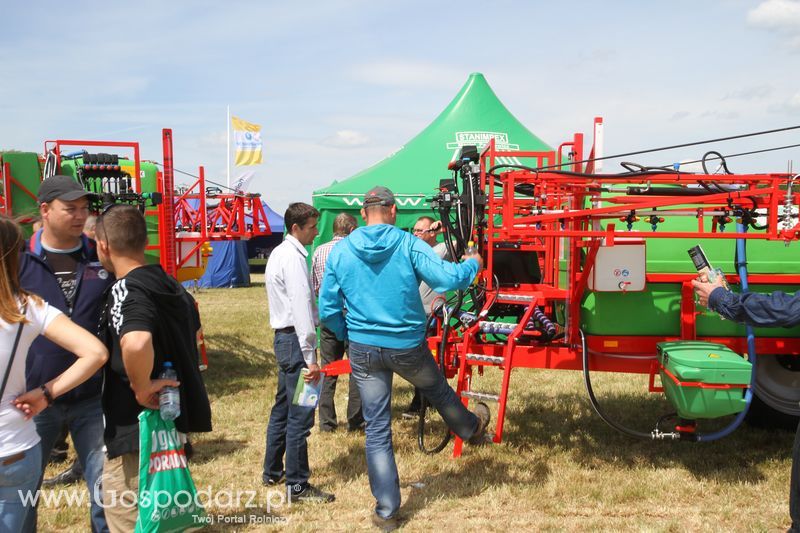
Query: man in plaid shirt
x=331, y=349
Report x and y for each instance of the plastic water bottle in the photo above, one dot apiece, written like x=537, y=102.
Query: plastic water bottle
x=169, y=399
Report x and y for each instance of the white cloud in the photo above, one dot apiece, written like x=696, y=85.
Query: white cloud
x=212, y=139
x=720, y=115
x=787, y=106
x=776, y=15
x=781, y=16
x=758, y=92
x=408, y=74
x=346, y=139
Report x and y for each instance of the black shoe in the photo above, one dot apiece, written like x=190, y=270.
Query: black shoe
x=327, y=429
x=385, y=524
x=358, y=427
x=67, y=477
x=188, y=450
x=270, y=481
x=484, y=416
x=311, y=494
x=58, y=456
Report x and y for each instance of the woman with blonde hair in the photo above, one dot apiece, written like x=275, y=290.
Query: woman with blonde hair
x=24, y=316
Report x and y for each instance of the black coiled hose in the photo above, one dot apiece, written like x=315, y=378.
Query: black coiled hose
x=547, y=326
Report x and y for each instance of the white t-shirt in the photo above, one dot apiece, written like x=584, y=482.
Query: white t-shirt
x=426, y=294
x=16, y=433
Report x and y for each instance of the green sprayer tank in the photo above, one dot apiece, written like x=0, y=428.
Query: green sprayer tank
x=656, y=310
x=26, y=169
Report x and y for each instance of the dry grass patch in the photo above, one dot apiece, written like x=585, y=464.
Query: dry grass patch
x=560, y=467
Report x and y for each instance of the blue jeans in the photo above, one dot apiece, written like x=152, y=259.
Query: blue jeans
x=21, y=476
x=85, y=422
x=373, y=368
x=289, y=425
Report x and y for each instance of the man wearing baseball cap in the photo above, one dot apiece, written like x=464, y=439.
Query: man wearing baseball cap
x=375, y=274
x=60, y=264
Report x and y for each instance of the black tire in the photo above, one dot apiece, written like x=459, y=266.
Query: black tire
x=763, y=416
x=776, y=403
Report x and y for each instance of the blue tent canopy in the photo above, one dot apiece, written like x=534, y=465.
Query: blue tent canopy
x=227, y=266
x=274, y=219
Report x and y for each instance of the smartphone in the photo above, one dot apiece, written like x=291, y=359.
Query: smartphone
x=703, y=266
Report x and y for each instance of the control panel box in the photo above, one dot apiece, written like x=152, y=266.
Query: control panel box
x=620, y=268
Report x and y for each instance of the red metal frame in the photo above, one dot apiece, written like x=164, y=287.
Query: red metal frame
x=555, y=221
x=5, y=201
x=166, y=231
x=236, y=216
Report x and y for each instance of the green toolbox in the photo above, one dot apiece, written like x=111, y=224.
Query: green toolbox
x=703, y=379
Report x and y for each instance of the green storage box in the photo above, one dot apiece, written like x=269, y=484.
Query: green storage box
x=702, y=370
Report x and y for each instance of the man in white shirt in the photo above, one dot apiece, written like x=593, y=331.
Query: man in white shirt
x=293, y=316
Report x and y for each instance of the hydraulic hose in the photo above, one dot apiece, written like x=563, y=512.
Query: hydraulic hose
x=546, y=325
x=751, y=348
x=723, y=164
x=423, y=405
x=741, y=259
x=653, y=435
x=461, y=236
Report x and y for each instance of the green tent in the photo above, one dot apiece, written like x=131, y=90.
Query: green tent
x=413, y=172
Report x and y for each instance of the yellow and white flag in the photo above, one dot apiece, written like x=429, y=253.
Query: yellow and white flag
x=247, y=137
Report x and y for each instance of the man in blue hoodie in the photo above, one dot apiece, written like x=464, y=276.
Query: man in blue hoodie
x=376, y=274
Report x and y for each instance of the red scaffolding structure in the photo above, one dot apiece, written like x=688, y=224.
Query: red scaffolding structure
x=564, y=218
x=185, y=223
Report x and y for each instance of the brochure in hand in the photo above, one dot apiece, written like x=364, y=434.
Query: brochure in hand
x=307, y=394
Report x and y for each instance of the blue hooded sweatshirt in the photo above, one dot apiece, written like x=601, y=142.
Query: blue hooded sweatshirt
x=375, y=273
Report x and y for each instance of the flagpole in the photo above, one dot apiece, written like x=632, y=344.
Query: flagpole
x=228, y=167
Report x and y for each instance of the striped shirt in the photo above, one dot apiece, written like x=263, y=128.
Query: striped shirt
x=318, y=262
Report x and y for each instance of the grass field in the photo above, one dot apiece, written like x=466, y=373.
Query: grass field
x=560, y=467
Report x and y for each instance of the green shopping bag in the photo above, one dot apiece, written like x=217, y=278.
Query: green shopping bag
x=167, y=495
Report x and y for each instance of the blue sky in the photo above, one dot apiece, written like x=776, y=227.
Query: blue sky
x=339, y=85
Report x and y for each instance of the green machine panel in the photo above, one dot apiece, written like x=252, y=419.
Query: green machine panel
x=25, y=169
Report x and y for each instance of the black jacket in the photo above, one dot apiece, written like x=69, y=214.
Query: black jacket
x=147, y=299
x=47, y=360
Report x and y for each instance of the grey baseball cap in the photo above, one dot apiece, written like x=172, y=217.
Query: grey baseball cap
x=62, y=188
x=379, y=195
